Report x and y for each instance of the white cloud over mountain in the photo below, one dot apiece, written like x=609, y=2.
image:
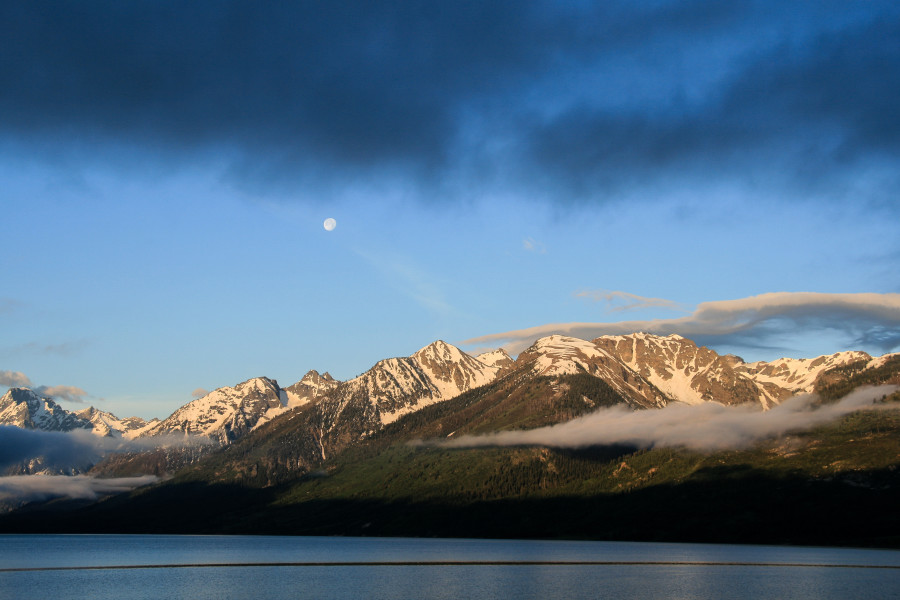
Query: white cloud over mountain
x=864, y=319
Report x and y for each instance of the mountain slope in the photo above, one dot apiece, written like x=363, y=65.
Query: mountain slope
x=397, y=386
x=786, y=377
x=684, y=372
x=557, y=355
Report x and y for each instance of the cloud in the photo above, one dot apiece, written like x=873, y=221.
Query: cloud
x=199, y=393
x=871, y=319
x=14, y=379
x=799, y=113
x=532, y=245
x=78, y=449
x=709, y=426
x=62, y=392
x=623, y=301
x=29, y=488
x=580, y=97
x=354, y=84
x=69, y=393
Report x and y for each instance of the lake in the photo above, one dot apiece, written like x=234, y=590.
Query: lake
x=216, y=567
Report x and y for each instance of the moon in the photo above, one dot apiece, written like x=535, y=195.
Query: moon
x=329, y=224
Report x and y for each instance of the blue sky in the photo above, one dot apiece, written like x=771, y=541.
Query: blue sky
x=497, y=170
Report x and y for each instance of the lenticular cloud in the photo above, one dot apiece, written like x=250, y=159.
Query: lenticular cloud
x=871, y=319
x=709, y=426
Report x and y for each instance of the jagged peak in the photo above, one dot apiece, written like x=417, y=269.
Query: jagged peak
x=493, y=354
x=439, y=350
x=257, y=382
x=311, y=375
x=92, y=411
x=498, y=358
x=33, y=399
x=314, y=376
x=17, y=393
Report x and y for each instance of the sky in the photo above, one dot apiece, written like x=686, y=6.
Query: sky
x=497, y=171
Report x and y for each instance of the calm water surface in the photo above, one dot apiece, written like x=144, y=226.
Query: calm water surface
x=660, y=570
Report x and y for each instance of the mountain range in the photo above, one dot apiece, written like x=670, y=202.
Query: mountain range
x=641, y=370
x=407, y=448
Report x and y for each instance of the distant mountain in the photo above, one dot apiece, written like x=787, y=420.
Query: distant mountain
x=109, y=425
x=397, y=386
x=555, y=379
x=445, y=392
x=654, y=370
x=497, y=358
x=558, y=355
x=26, y=409
x=299, y=473
x=690, y=374
x=342, y=413
x=786, y=377
x=309, y=388
x=225, y=414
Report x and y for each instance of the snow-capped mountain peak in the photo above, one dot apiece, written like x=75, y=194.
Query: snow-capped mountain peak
x=799, y=375
x=396, y=386
x=109, y=425
x=564, y=355
x=225, y=413
x=311, y=386
x=496, y=358
x=439, y=351
x=24, y=408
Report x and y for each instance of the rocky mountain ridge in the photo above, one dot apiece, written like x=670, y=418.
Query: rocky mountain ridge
x=650, y=371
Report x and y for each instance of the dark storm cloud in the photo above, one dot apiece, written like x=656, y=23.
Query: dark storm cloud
x=802, y=115
x=596, y=97
x=361, y=81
